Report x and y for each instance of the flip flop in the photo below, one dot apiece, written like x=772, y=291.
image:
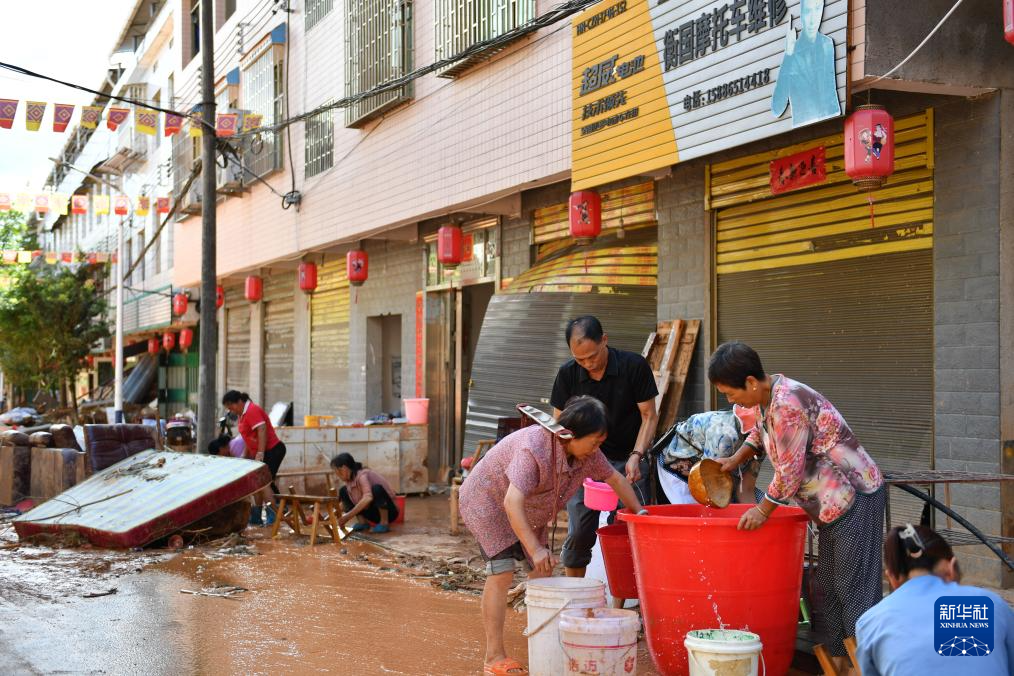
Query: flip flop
x=380, y=528
x=508, y=666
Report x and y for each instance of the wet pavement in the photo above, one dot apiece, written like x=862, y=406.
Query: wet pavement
x=350, y=609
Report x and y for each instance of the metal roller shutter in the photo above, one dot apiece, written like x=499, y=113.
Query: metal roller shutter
x=279, y=291
x=329, y=342
x=832, y=301
x=521, y=344
x=237, y=340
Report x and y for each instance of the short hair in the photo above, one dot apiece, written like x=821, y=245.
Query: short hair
x=235, y=397
x=732, y=363
x=587, y=326
x=584, y=415
x=908, y=548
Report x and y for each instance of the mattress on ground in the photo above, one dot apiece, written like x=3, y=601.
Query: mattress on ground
x=146, y=497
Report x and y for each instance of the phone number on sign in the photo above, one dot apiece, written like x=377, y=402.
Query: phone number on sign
x=741, y=85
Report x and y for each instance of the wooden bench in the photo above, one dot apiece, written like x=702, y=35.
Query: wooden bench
x=326, y=511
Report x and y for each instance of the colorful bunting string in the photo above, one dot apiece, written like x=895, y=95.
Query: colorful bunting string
x=61, y=203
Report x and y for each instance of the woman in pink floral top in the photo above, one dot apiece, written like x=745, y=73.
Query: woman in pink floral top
x=820, y=466
x=515, y=490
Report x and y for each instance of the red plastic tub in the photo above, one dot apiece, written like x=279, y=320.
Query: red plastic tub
x=695, y=570
x=619, y=560
x=399, y=501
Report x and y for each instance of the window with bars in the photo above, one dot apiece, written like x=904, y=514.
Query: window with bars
x=319, y=142
x=459, y=24
x=378, y=49
x=263, y=94
x=316, y=10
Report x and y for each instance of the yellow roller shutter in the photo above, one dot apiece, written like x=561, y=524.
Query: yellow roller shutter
x=329, y=341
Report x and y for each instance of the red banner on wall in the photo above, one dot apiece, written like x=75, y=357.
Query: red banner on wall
x=798, y=170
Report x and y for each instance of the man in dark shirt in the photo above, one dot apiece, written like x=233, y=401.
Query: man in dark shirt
x=623, y=381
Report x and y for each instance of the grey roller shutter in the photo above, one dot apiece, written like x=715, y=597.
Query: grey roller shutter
x=279, y=292
x=237, y=340
x=329, y=342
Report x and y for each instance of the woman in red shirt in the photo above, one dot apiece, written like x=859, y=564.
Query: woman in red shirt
x=261, y=444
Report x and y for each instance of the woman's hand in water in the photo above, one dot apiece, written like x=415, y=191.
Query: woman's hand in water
x=543, y=561
x=752, y=519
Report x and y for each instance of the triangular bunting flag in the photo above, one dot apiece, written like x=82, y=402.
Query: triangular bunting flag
x=101, y=204
x=24, y=257
x=59, y=202
x=10, y=256
x=225, y=124
x=173, y=123
x=162, y=205
x=116, y=117
x=67, y=257
x=90, y=116
x=79, y=204
x=5, y=201
x=8, y=108
x=194, y=128
x=252, y=121
x=62, y=112
x=146, y=121
x=41, y=204
x=92, y=258
x=121, y=205
x=34, y=110
x=143, y=204
x=51, y=257
x=101, y=257
x=24, y=202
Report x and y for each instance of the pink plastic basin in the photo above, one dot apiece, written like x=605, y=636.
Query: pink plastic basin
x=600, y=496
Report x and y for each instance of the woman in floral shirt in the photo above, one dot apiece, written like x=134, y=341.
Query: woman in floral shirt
x=820, y=466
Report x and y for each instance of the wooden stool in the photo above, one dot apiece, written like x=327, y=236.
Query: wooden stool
x=326, y=511
x=825, y=660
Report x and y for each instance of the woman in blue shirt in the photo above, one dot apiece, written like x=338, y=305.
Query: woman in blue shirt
x=896, y=636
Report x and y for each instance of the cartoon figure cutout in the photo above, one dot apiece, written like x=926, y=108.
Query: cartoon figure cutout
x=806, y=80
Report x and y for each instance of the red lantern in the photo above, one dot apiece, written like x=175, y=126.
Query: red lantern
x=869, y=146
x=91, y=361
x=186, y=339
x=169, y=341
x=307, y=277
x=153, y=346
x=254, y=288
x=357, y=265
x=219, y=297
x=585, y=216
x=450, y=251
x=180, y=302
x=1008, y=20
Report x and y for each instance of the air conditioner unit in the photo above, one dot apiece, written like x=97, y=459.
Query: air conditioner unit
x=230, y=179
x=191, y=203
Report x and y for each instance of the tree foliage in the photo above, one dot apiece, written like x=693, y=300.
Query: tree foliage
x=50, y=317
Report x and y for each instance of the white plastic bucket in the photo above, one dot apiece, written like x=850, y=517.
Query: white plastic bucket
x=599, y=641
x=417, y=411
x=546, y=598
x=723, y=651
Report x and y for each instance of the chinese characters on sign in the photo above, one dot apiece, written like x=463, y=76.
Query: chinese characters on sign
x=714, y=30
x=964, y=611
x=601, y=75
x=597, y=20
x=605, y=73
x=798, y=170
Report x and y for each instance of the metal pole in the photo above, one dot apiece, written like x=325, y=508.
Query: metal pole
x=118, y=379
x=207, y=394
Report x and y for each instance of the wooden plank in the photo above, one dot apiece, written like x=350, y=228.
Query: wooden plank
x=687, y=345
x=649, y=344
x=664, y=374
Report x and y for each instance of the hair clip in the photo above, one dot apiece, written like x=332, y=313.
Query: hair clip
x=913, y=543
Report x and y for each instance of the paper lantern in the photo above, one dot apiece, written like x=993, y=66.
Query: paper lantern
x=169, y=341
x=585, y=216
x=186, y=339
x=869, y=146
x=91, y=361
x=180, y=302
x=357, y=265
x=153, y=346
x=254, y=288
x=307, y=277
x=1008, y=20
x=219, y=297
x=450, y=251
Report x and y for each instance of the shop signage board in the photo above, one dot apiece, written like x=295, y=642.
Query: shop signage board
x=656, y=83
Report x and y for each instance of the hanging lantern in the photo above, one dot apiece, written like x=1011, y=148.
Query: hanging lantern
x=254, y=288
x=357, y=265
x=869, y=146
x=186, y=339
x=91, y=361
x=169, y=341
x=1008, y=20
x=219, y=297
x=585, y=216
x=307, y=277
x=180, y=302
x=153, y=346
x=450, y=250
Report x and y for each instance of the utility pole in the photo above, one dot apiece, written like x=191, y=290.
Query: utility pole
x=207, y=402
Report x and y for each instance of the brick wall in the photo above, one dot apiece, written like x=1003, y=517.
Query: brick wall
x=966, y=297
x=396, y=274
x=684, y=268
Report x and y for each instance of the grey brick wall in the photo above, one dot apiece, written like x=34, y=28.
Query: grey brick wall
x=515, y=245
x=684, y=276
x=395, y=275
x=966, y=297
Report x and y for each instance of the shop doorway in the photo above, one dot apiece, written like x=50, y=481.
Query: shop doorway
x=383, y=373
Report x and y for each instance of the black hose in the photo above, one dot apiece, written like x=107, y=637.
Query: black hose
x=960, y=519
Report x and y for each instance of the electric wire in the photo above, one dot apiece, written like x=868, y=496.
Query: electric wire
x=920, y=45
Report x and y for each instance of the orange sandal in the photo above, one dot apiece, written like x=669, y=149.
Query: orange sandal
x=508, y=666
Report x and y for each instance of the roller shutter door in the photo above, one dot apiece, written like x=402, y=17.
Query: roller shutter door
x=279, y=292
x=329, y=342
x=237, y=340
x=832, y=300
